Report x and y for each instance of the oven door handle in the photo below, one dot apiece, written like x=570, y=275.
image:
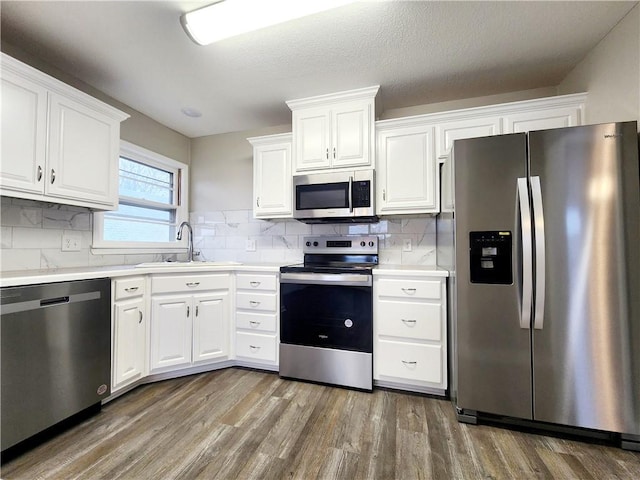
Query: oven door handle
x=346, y=279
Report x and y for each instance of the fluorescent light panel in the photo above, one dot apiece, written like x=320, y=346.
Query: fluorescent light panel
x=229, y=18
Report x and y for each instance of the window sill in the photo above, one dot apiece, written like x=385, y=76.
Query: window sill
x=135, y=250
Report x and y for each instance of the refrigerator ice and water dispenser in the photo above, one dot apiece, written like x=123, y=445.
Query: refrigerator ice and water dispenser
x=490, y=257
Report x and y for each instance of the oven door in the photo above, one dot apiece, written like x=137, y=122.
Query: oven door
x=327, y=310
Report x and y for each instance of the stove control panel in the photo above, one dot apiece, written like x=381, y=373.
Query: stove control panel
x=348, y=244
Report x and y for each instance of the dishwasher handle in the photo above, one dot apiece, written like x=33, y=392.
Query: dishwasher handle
x=53, y=301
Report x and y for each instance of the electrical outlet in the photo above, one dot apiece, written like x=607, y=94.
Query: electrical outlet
x=406, y=245
x=251, y=245
x=71, y=242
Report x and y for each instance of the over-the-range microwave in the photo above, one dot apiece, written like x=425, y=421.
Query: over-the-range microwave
x=337, y=197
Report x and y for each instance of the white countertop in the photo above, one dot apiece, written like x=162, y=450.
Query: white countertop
x=422, y=270
x=31, y=277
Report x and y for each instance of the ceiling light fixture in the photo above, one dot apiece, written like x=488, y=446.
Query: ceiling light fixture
x=229, y=18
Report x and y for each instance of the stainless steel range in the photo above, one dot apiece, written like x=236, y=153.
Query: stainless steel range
x=326, y=317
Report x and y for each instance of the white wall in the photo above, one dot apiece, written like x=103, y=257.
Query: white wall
x=611, y=74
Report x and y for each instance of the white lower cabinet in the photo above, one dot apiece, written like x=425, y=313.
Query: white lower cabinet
x=257, y=326
x=410, y=332
x=129, y=332
x=189, y=320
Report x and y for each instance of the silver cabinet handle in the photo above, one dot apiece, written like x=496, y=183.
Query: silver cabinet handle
x=254, y=303
x=409, y=291
x=408, y=322
x=53, y=176
x=254, y=323
x=327, y=154
x=538, y=225
x=257, y=201
x=254, y=284
x=334, y=152
x=187, y=312
x=409, y=363
x=39, y=173
x=254, y=348
x=527, y=254
x=192, y=284
x=131, y=289
x=196, y=310
x=140, y=312
x=384, y=194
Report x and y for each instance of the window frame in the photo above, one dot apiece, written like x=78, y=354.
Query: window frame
x=139, y=154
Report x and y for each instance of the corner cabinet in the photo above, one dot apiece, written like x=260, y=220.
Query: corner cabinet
x=406, y=168
x=272, y=194
x=129, y=332
x=190, y=316
x=58, y=144
x=410, y=331
x=334, y=131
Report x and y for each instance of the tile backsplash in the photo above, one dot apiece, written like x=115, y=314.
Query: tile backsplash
x=223, y=235
x=31, y=237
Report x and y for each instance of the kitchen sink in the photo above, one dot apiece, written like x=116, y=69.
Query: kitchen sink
x=186, y=264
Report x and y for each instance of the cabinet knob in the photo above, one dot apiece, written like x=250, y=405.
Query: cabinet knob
x=53, y=176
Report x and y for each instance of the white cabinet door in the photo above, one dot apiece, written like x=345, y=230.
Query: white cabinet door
x=351, y=135
x=311, y=133
x=407, y=171
x=542, y=119
x=272, y=177
x=171, y=321
x=448, y=132
x=129, y=342
x=83, y=146
x=210, y=326
x=24, y=134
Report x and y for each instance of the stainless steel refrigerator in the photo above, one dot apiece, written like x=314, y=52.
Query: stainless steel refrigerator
x=546, y=285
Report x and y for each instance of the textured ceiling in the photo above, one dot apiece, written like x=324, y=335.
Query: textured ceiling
x=419, y=52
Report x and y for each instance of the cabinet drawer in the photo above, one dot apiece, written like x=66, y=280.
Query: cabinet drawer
x=129, y=287
x=409, y=288
x=411, y=361
x=256, y=301
x=260, y=322
x=418, y=320
x=189, y=283
x=256, y=346
x=256, y=282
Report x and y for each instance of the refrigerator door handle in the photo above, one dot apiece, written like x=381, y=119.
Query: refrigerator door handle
x=538, y=216
x=527, y=254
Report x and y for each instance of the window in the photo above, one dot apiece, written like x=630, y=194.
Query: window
x=152, y=203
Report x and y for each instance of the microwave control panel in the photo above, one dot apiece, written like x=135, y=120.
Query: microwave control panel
x=361, y=193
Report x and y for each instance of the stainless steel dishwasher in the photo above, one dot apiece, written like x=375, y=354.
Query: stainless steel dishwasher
x=55, y=354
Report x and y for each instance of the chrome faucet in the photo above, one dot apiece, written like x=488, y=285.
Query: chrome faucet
x=179, y=237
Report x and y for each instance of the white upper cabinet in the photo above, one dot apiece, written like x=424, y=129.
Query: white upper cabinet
x=448, y=132
x=334, y=131
x=272, y=183
x=406, y=168
x=555, y=112
x=59, y=144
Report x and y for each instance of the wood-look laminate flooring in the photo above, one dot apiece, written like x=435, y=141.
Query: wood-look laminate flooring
x=239, y=423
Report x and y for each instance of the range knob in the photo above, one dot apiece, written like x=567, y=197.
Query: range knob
x=308, y=244
x=371, y=244
x=362, y=244
x=315, y=244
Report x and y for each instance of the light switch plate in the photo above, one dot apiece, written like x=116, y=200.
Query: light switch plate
x=251, y=245
x=406, y=245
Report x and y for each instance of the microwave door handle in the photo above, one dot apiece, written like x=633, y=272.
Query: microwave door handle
x=350, y=194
